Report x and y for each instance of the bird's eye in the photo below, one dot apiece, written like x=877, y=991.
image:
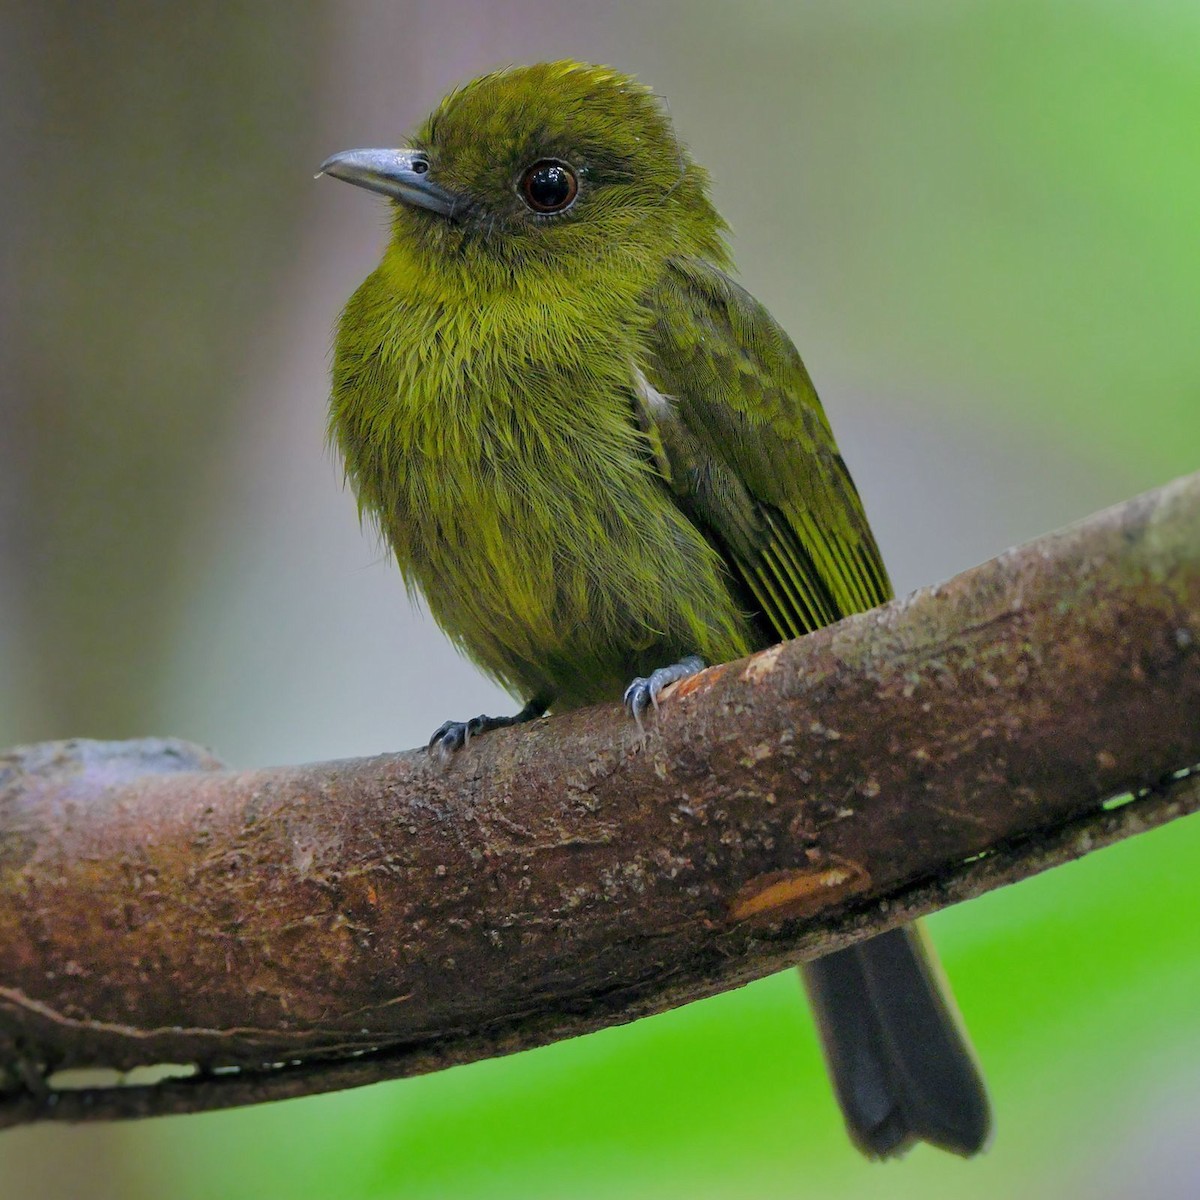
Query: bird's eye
x=549, y=187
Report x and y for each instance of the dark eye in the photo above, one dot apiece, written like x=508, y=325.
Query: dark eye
x=549, y=187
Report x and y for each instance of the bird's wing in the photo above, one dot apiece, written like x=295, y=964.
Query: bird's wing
x=744, y=444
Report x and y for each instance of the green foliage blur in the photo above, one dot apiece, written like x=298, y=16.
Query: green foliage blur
x=979, y=223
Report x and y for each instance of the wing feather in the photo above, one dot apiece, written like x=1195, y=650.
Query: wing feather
x=750, y=454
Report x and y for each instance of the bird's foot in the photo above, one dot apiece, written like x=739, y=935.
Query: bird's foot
x=642, y=694
x=452, y=736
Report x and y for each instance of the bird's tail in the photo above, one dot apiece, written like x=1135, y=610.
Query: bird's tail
x=901, y=1065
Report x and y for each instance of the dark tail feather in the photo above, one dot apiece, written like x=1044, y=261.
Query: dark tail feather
x=901, y=1065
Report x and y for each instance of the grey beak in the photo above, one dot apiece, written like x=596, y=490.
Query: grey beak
x=401, y=174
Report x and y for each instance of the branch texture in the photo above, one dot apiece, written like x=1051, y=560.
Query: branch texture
x=287, y=931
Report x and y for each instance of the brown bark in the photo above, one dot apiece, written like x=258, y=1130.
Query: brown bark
x=307, y=928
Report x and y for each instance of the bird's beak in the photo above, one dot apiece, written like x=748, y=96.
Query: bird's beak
x=401, y=174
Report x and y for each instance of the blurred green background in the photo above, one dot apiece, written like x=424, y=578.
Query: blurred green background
x=979, y=221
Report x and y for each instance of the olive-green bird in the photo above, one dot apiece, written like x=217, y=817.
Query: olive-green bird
x=601, y=460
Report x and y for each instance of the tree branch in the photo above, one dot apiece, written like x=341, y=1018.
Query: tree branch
x=296, y=930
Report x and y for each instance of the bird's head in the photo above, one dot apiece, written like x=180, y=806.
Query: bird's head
x=557, y=164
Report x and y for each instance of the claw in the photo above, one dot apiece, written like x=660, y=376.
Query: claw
x=636, y=701
x=643, y=692
x=449, y=737
x=452, y=736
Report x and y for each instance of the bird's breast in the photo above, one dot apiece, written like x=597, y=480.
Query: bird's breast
x=508, y=472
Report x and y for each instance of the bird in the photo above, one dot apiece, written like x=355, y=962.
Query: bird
x=603, y=464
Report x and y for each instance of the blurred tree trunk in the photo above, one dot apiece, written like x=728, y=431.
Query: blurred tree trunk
x=138, y=264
